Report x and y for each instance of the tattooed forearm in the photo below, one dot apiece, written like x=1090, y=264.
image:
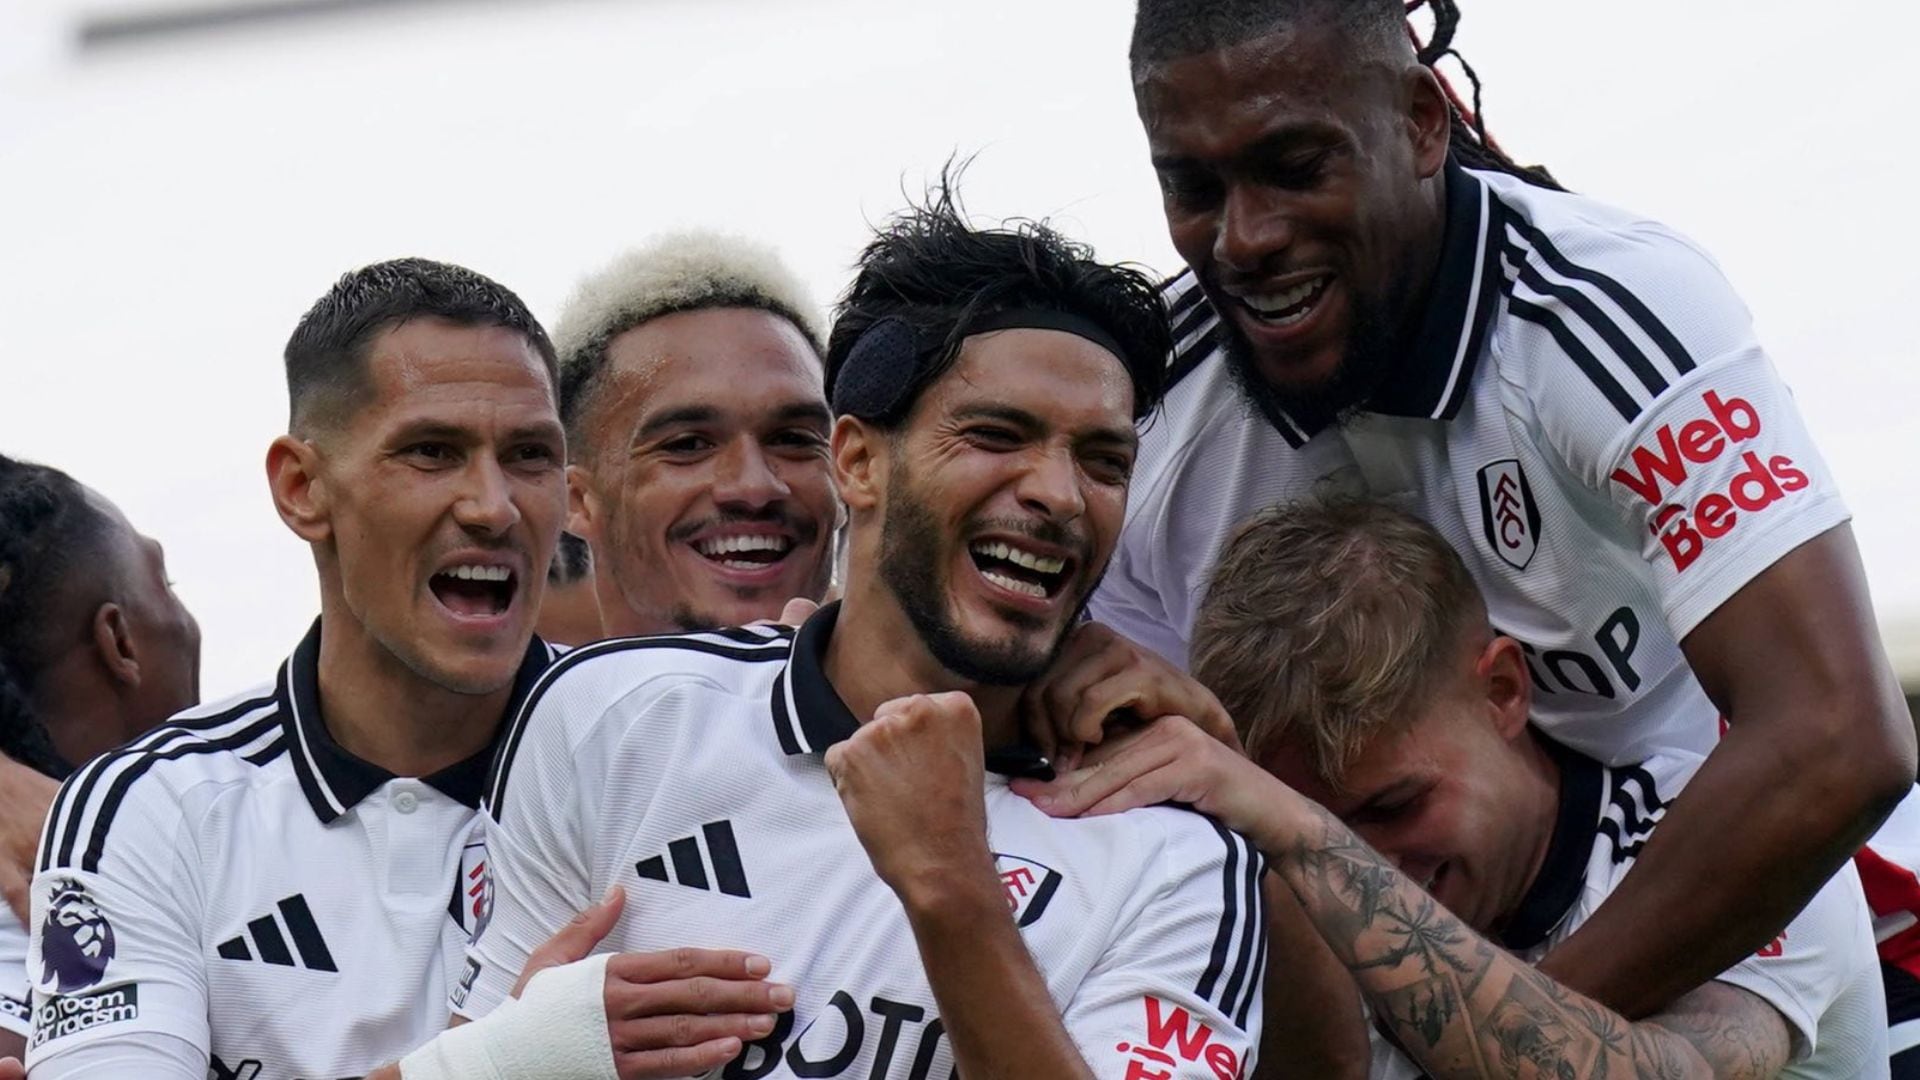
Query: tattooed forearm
x=1463, y=1008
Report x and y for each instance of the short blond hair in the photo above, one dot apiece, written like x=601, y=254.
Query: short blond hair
x=1328, y=623
x=682, y=271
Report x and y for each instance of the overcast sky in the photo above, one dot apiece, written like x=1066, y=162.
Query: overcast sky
x=169, y=208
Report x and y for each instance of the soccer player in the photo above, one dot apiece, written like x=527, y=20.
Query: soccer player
x=1377, y=301
x=1352, y=649
x=281, y=884
x=690, y=385
x=827, y=796
x=95, y=649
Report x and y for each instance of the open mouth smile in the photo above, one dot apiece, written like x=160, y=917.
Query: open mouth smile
x=1020, y=570
x=475, y=590
x=1286, y=307
x=744, y=551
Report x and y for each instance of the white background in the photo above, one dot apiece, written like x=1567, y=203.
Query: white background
x=169, y=208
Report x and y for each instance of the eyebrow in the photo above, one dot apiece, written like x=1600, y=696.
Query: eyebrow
x=1286, y=137
x=439, y=429
x=685, y=415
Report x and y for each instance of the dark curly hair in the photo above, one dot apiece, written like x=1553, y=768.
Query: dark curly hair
x=941, y=276
x=49, y=533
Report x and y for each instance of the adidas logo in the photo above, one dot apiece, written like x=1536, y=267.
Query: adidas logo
x=692, y=860
x=270, y=946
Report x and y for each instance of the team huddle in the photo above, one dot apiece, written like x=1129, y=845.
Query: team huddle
x=1418, y=639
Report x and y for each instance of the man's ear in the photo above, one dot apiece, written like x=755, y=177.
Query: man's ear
x=583, y=506
x=113, y=643
x=299, y=492
x=859, y=454
x=1502, y=671
x=1429, y=120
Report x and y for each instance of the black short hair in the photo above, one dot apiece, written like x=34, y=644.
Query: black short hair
x=1170, y=29
x=941, y=276
x=572, y=561
x=327, y=355
x=50, y=542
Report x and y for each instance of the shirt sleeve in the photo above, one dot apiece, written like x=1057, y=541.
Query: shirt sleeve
x=114, y=957
x=1650, y=386
x=1822, y=970
x=538, y=862
x=1178, y=994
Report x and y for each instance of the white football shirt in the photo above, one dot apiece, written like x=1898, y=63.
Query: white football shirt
x=234, y=895
x=689, y=770
x=16, y=1013
x=1821, y=973
x=1586, y=416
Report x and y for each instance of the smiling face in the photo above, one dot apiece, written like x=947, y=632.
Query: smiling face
x=1004, y=494
x=1297, y=171
x=1462, y=798
x=442, y=499
x=704, y=488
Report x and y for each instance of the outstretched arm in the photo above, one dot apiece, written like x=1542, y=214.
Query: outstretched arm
x=1457, y=1004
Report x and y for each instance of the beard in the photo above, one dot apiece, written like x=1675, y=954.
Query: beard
x=911, y=553
x=1369, y=358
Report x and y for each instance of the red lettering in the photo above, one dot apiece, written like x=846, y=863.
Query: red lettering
x=1701, y=441
x=1791, y=479
x=1015, y=882
x=1715, y=516
x=1774, y=947
x=1174, y=1027
x=1728, y=415
x=1221, y=1059
x=1653, y=468
x=1682, y=542
x=1754, y=488
x=1137, y=1069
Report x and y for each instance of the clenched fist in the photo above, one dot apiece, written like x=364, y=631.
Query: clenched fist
x=913, y=782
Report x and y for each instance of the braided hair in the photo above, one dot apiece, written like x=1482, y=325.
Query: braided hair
x=47, y=531
x=1472, y=145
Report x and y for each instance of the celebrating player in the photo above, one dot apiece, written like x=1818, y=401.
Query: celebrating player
x=1352, y=649
x=826, y=796
x=1377, y=300
x=690, y=387
x=281, y=884
x=95, y=649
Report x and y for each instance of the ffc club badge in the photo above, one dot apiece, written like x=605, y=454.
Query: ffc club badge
x=1509, y=517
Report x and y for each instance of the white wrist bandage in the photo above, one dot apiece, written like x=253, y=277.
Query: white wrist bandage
x=557, y=1030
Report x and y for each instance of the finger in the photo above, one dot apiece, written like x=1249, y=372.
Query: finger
x=575, y=941
x=1065, y=686
x=11, y=1069
x=676, y=1061
x=687, y=1029
x=701, y=994
x=687, y=963
x=1121, y=762
x=797, y=610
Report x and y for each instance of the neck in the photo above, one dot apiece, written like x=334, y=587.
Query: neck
x=84, y=718
x=384, y=713
x=1425, y=261
x=1539, y=803
x=872, y=625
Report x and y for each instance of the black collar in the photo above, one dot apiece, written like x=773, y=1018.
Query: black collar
x=334, y=780
x=809, y=716
x=1432, y=380
x=1564, y=870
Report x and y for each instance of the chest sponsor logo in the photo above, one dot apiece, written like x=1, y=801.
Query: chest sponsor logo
x=1173, y=1037
x=1029, y=887
x=58, y=1015
x=247, y=1069
x=1509, y=518
x=1659, y=468
x=76, y=941
x=832, y=1041
x=465, y=986
x=473, y=891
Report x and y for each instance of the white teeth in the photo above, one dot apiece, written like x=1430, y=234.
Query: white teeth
x=727, y=545
x=478, y=573
x=1014, y=584
x=1045, y=564
x=1269, y=305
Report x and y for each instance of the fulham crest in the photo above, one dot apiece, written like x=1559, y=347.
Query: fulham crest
x=1509, y=517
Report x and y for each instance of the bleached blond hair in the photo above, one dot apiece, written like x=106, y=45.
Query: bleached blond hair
x=681, y=271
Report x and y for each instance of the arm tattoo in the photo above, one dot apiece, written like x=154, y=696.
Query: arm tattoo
x=1463, y=1008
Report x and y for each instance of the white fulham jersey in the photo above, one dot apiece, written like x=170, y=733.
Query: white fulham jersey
x=1820, y=973
x=1587, y=418
x=235, y=890
x=16, y=1014
x=690, y=771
